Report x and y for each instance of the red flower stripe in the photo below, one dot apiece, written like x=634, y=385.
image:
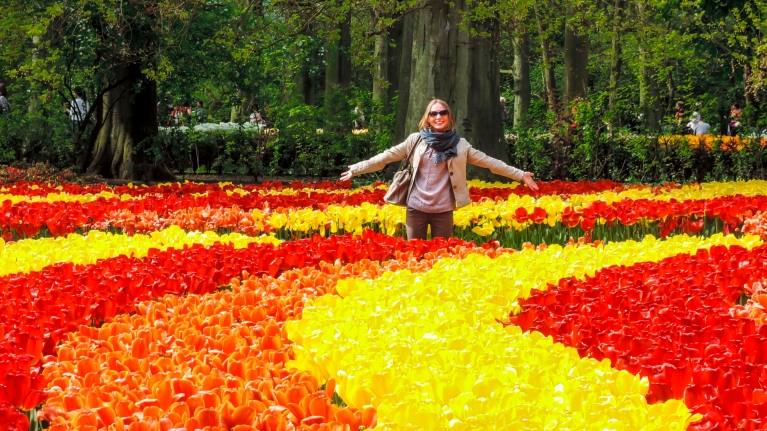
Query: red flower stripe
x=562, y=188
x=669, y=321
x=61, y=218
x=730, y=209
x=23, y=188
x=38, y=309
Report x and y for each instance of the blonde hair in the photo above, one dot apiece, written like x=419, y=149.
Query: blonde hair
x=425, y=119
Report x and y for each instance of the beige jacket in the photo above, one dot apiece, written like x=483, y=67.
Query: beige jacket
x=456, y=165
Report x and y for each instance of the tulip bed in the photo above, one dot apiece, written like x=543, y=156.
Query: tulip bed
x=511, y=215
x=271, y=307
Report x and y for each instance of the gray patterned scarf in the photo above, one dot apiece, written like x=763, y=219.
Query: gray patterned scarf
x=443, y=143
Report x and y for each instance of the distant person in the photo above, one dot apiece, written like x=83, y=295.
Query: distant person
x=504, y=111
x=698, y=126
x=165, y=112
x=679, y=117
x=186, y=113
x=5, y=105
x=359, y=120
x=679, y=113
x=736, y=115
x=77, y=109
x=693, y=123
x=253, y=118
x=199, y=112
x=256, y=117
x=181, y=113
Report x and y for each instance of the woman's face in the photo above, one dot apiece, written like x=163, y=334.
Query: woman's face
x=439, y=122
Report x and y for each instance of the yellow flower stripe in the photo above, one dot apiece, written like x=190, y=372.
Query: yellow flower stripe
x=487, y=215
x=34, y=254
x=65, y=197
x=689, y=192
x=426, y=352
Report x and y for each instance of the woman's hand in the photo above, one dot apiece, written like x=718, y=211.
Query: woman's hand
x=528, y=179
x=347, y=175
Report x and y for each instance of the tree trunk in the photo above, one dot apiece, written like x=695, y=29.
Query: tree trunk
x=449, y=64
x=305, y=86
x=405, y=69
x=395, y=60
x=381, y=75
x=650, y=101
x=749, y=90
x=649, y=94
x=303, y=81
x=670, y=91
x=576, y=71
x=549, y=79
x=339, y=63
x=522, y=91
x=400, y=66
x=338, y=70
x=129, y=123
x=616, y=65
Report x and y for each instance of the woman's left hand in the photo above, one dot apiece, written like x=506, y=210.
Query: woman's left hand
x=528, y=179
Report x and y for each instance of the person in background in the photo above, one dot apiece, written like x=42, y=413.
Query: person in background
x=199, y=112
x=439, y=158
x=164, y=109
x=679, y=113
x=504, y=111
x=698, y=126
x=260, y=120
x=187, y=113
x=254, y=115
x=359, y=119
x=736, y=114
x=693, y=122
x=78, y=109
x=5, y=105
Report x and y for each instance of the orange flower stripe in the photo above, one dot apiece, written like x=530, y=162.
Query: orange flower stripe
x=213, y=362
x=709, y=142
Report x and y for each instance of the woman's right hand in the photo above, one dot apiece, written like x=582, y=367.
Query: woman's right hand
x=527, y=178
x=347, y=175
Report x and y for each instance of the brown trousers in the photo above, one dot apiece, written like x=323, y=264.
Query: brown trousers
x=418, y=221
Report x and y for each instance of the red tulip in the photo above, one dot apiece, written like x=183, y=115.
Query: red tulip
x=12, y=419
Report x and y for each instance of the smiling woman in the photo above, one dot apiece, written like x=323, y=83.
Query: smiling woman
x=439, y=158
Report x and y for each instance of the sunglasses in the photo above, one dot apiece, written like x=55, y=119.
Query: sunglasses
x=443, y=113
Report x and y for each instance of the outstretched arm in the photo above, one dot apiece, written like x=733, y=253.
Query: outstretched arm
x=378, y=162
x=478, y=158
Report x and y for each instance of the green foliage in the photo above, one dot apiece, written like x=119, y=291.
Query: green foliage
x=634, y=158
x=40, y=136
x=318, y=140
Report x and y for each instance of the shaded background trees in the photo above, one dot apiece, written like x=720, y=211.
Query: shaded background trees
x=610, y=68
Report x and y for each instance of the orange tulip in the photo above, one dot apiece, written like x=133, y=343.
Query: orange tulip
x=242, y=415
x=107, y=415
x=351, y=417
x=192, y=424
x=369, y=418
x=207, y=417
x=330, y=388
